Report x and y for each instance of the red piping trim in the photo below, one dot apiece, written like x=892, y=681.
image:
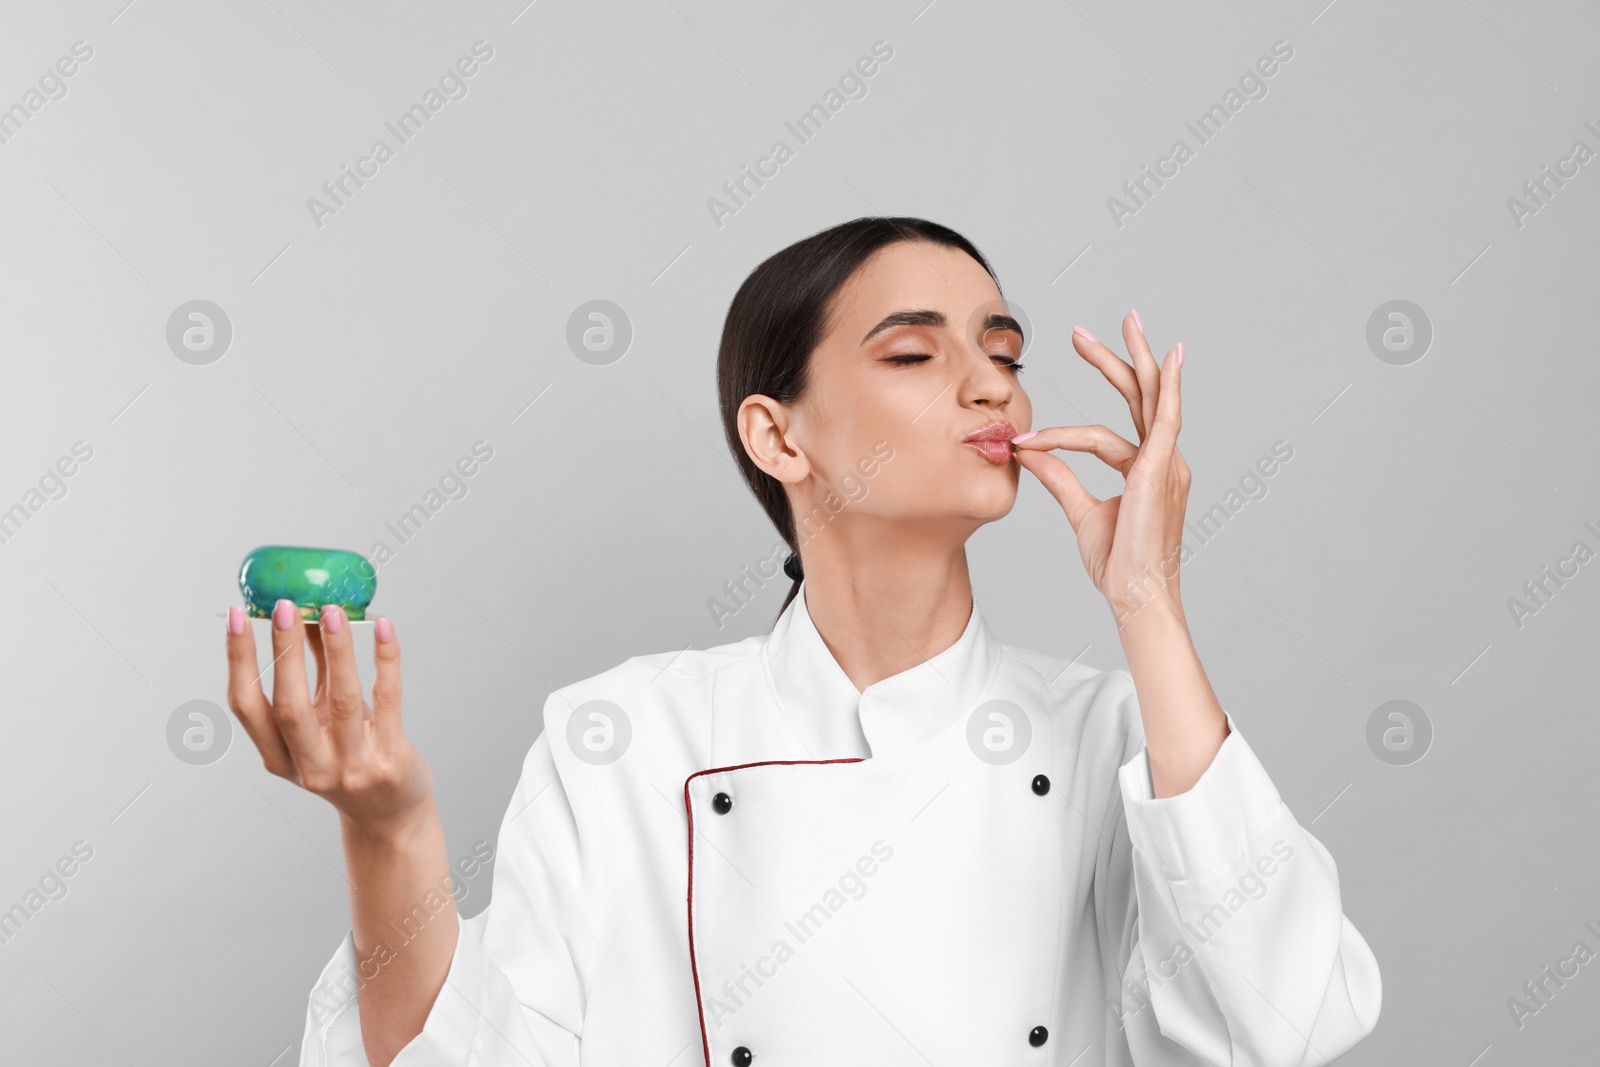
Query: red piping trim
x=705, y=1037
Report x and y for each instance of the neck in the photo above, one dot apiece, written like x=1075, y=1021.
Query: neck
x=885, y=604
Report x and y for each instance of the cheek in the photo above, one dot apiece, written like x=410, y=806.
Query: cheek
x=1022, y=412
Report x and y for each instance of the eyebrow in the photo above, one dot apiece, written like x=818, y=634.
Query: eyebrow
x=928, y=317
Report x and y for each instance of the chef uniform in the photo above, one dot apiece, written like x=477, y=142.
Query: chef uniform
x=732, y=856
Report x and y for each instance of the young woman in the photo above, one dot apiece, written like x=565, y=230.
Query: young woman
x=875, y=835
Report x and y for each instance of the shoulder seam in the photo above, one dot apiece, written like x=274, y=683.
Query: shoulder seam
x=630, y=668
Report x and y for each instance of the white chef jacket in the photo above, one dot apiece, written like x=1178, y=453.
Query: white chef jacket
x=732, y=856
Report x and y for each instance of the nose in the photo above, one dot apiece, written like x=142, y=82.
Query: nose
x=986, y=382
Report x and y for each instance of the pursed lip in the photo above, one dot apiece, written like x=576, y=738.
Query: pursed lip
x=995, y=431
x=993, y=442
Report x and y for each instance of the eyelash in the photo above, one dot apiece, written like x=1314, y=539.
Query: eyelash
x=911, y=358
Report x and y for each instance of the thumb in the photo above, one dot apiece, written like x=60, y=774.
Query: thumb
x=1062, y=483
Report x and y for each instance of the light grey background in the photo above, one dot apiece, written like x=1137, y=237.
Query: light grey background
x=369, y=353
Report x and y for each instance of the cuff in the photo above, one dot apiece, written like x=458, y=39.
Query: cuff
x=333, y=1018
x=1209, y=826
x=450, y=1032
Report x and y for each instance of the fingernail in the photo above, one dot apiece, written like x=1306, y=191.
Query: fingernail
x=283, y=613
x=236, y=620
x=1024, y=436
x=332, y=618
x=385, y=630
x=1180, y=353
x=1086, y=333
x=1137, y=321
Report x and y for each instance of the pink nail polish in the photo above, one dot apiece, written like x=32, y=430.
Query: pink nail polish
x=1180, y=353
x=283, y=613
x=332, y=618
x=1025, y=436
x=1137, y=321
x=236, y=620
x=1086, y=333
x=384, y=630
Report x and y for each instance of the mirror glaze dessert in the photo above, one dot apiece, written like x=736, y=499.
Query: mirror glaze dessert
x=311, y=577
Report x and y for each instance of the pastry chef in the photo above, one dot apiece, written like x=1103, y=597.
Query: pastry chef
x=876, y=834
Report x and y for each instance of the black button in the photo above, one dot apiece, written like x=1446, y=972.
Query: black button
x=1038, y=1035
x=741, y=1055
x=1041, y=784
x=722, y=803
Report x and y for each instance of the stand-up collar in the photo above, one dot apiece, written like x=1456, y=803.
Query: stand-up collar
x=833, y=719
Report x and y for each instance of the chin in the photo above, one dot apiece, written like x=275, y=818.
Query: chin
x=992, y=501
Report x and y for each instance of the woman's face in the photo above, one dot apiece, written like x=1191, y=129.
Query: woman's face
x=911, y=364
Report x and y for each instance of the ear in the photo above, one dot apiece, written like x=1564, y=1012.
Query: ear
x=767, y=428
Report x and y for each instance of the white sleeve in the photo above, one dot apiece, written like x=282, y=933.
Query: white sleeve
x=514, y=994
x=1230, y=942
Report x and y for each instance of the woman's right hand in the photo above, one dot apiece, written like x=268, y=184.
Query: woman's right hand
x=330, y=742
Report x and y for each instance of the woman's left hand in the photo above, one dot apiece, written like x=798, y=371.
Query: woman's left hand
x=1130, y=543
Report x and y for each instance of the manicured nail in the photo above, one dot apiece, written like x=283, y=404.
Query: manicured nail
x=332, y=618
x=1180, y=353
x=236, y=620
x=1137, y=321
x=283, y=613
x=1024, y=436
x=1086, y=333
x=385, y=630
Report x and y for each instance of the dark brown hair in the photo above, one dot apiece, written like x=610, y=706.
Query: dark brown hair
x=779, y=316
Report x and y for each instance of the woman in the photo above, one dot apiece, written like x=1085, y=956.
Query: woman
x=874, y=835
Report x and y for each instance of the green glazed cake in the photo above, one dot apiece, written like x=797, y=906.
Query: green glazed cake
x=311, y=577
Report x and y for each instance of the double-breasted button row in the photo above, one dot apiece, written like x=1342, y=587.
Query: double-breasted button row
x=742, y=1056
x=722, y=803
x=1039, y=1035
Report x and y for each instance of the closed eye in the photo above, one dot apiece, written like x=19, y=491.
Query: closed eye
x=910, y=358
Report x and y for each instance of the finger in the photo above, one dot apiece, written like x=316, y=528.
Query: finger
x=247, y=700
x=320, y=658
x=386, y=688
x=1144, y=365
x=1116, y=450
x=1117, y=372
x=346, y=706
x=1169, y=411
x=1062, y=483
x=291, y=701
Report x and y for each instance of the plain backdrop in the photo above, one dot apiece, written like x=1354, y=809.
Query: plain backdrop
x=372, y=346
